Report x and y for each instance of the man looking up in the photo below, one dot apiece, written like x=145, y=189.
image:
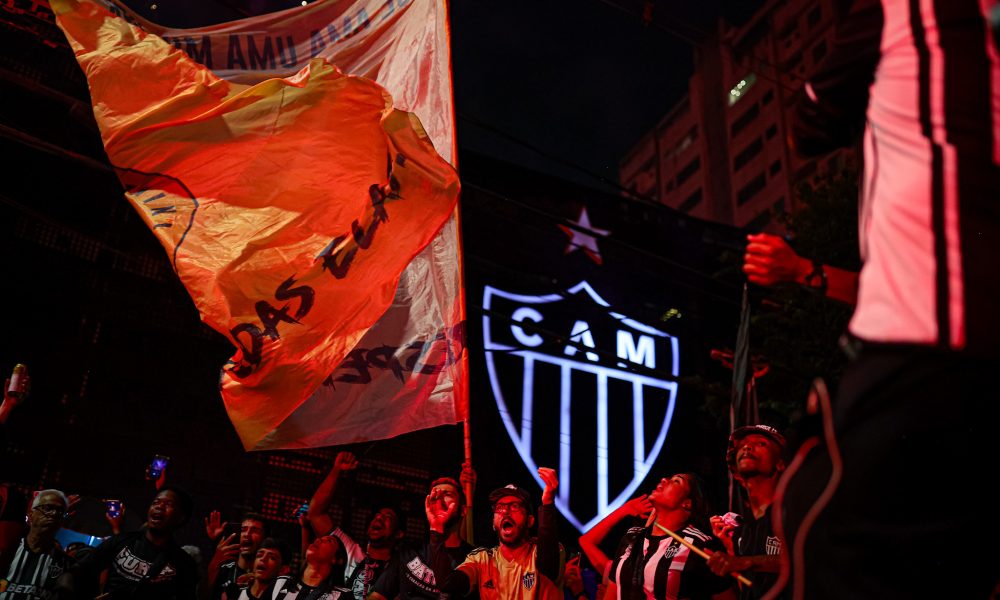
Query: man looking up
x=519, y=567
x=38, y=561
x=755, y=458
x=322, y=574
x=146, y=564
x=270, y=559
x=384, y=531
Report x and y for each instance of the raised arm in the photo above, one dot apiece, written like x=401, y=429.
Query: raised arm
x=548, y=535
x=440, y=511
x=319, y=504
x=590, y=541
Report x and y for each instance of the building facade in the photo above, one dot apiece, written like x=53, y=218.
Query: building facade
x=721, y=152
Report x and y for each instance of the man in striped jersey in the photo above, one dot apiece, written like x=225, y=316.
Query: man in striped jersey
x=653, y=565
x=913, y=458
x=38, y=561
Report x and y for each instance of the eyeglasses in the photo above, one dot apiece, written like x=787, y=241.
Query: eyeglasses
x=508, y=507
x=50, y=509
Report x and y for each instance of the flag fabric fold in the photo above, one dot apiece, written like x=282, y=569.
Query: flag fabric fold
x=289, y=208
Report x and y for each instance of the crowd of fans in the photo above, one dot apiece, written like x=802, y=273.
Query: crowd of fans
x=675, y=551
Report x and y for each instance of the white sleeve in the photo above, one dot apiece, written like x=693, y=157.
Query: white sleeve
x=355, y=554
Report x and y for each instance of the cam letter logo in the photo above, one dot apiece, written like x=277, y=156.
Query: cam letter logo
x=597, y=407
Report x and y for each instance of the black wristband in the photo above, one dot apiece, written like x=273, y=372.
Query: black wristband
x=817, y=278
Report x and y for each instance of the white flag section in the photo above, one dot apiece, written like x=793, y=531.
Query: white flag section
x=410, y=370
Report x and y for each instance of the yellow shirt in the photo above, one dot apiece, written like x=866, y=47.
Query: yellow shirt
x=497, y=578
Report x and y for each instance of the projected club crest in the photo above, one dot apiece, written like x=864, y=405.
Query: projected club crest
x=593, y=408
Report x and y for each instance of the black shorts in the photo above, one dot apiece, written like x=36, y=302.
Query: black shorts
x=913, y=515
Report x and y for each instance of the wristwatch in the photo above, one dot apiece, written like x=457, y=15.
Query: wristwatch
x=817, y=278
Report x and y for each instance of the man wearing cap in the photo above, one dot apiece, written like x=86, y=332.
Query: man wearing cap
x=519, y=568
x=756, y=460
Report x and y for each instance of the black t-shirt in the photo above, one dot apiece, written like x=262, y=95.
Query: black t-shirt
x=756, y=537
x=409, y=574
x=364, y=576
x=676, y=571
x=128, y=557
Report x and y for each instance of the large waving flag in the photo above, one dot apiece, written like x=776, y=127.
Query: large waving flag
x=289, y=209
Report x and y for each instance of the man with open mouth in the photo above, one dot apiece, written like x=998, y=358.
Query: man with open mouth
x=385, y=530
x=146, y=564
x=520, y=567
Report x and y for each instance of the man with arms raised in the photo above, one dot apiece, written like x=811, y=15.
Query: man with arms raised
x=519, y=568
x=384, y=531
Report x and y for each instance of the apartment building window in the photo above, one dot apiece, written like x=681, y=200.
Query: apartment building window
x=751, y=189
x=768, y=96
x=685, y=143
x=819, y=51
x=690, y=169
x=692, y=201
x=647, y=166
x=792, y=62
x=814, y=16
x=775, y=168
x=771, y=131
x=741, y=88
x=745, y=119
x=747, y=154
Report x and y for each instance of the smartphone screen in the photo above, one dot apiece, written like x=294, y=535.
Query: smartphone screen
x=157, y=466
x=301, y=510
x=114, y=508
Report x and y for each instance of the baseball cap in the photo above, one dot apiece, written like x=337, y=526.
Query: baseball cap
x=512, y=490
x=742, y=432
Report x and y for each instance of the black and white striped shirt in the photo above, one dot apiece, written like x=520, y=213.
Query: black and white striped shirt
x=32, y=575
x=661, y=568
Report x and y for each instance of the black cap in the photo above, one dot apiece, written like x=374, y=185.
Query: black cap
x=742, y=432
x=512, y=490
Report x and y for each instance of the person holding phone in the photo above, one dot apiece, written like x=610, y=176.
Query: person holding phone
x=114, y=515
x=142, y=565
x=234, y=555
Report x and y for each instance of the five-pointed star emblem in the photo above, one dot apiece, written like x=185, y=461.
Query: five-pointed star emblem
x=586, y=239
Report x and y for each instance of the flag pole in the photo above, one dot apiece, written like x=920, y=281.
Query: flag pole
x=467, y=489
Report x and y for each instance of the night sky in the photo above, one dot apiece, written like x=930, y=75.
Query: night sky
x=566, y=88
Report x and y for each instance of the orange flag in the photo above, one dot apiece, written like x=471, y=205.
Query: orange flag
x=288, y=209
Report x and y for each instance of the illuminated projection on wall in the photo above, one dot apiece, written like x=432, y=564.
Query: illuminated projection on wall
x=587, y=413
